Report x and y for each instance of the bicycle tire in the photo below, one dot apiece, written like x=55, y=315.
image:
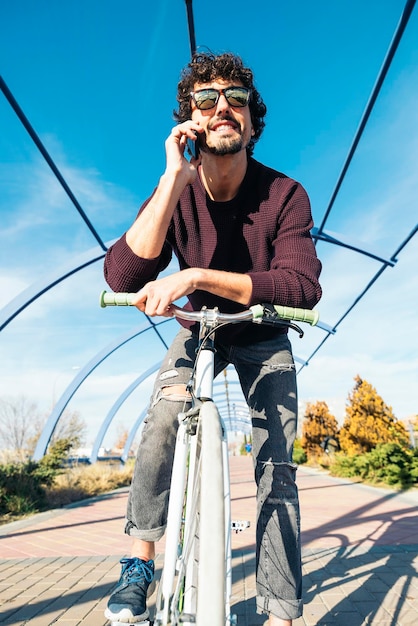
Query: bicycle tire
x=211, y=592
x=200, y=593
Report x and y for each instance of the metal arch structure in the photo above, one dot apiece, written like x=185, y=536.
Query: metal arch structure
x=131, y=436
x=241, y=425
x=233, y=420
x=84, y=373
x=36, y=290
x=27, y=297
x=115, y=408
x=190, y=23
x=320, y=233
x=393, y=259
x=44, y=439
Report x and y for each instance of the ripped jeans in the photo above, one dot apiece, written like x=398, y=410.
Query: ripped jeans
x=267, y=376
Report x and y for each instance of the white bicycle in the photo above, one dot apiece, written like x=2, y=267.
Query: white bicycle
x=196, y=581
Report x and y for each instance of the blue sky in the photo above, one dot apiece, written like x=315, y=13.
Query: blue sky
x=97, y=80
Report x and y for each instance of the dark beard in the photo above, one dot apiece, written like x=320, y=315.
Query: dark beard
x=225, y=146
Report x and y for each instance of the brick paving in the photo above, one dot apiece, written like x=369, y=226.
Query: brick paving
x=360, y=556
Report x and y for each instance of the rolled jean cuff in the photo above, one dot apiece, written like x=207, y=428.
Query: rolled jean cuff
x=284, y=609
x=151, y=534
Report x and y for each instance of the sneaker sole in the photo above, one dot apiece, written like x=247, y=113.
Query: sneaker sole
x=125, y=617
x=146, y=623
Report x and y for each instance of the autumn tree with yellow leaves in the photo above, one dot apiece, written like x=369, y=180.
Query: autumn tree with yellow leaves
x=318, y=424
x=369, y=421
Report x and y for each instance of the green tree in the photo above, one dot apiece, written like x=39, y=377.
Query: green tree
x=369, y=421
x=318, y=424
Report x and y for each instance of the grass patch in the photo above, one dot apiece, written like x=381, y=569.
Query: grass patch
x=86, y=481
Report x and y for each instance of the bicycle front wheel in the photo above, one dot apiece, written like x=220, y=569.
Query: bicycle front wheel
x=211, y=596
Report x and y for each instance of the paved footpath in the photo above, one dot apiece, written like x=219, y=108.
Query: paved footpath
x=359, y=543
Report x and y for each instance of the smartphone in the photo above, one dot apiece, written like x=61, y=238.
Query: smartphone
x=193, y=147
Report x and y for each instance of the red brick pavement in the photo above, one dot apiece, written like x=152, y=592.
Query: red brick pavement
x=334, y=513
x=359, y=554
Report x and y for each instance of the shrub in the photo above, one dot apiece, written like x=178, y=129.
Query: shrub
x=388, y=463
x=21, y=488
x=23, y=485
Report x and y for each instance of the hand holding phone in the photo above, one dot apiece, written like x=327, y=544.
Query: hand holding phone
x=193, y=147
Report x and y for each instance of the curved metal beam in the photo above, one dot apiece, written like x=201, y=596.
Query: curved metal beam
x=34, y=291
x=340, y=240
x=115, y=408
x=190, y=21
x=142, y=415
x=44, y=439
x=35, y=138
x=406, y=14
x=374, y=278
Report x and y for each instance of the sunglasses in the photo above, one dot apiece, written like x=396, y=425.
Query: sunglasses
x=206, y=99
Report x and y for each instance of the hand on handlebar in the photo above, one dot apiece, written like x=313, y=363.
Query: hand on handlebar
x=157, y=296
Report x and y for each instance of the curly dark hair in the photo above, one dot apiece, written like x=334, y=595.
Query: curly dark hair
x=207, y=67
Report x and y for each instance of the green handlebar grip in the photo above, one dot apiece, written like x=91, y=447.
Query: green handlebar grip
x=298, y=315
x=289, y=313
x=107, y=298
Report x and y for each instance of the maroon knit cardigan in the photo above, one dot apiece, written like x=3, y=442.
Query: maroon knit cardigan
x=263, y=232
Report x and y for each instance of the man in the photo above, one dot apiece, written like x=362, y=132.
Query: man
x=241, y=233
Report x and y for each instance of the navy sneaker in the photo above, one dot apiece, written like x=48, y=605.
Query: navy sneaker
x=128, y=602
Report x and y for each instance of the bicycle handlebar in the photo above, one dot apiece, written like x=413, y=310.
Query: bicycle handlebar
x=256, y=313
